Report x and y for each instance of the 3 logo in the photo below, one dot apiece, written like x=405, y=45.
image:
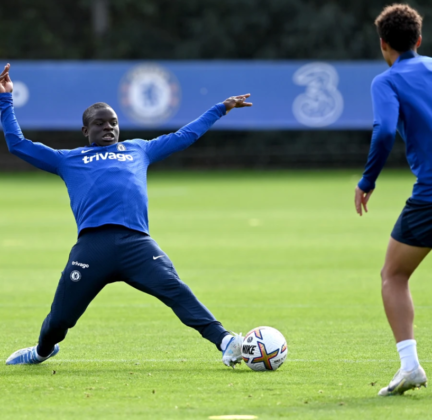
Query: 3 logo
x=149, y=94
x=321, y=104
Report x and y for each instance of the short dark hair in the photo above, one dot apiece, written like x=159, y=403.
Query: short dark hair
x=399, y=25
x=88, y=113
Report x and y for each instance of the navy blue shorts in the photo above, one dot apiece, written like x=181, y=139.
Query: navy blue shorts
x=114, y=253
x=414, y=226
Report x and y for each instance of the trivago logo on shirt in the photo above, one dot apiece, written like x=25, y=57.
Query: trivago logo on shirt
x=121, y=157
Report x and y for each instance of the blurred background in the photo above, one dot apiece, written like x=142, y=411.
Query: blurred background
x=161, y=63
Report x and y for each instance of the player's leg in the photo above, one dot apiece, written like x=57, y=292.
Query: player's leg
x=89, y=269
x=400, y=263
x=71, y=300
x=159, y=278
x=150, y=270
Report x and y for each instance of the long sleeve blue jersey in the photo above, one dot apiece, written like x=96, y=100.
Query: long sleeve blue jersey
x=106, y=185
x=402, y=101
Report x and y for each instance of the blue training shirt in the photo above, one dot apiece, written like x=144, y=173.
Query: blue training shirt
x=402, y=101
x=106, y=185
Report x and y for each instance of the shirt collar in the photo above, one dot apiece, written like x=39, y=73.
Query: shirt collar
x=407, y=55
x=96, y=145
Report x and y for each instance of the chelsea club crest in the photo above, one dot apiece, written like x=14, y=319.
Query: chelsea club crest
x=75, y=276
x=149, y=94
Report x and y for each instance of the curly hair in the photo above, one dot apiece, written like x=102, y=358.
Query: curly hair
x=89, y=112
x=399, y=25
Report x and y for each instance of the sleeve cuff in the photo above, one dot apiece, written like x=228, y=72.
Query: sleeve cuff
x=366, y=185
x=6, y=95
x=221, y=109
x=5, y=100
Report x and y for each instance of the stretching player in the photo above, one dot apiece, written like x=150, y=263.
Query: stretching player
x=106, y=182
x=402, y=101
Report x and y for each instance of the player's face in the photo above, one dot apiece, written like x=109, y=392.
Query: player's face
x=103, y=128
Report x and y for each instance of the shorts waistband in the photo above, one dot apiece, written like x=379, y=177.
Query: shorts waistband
x=110, y=228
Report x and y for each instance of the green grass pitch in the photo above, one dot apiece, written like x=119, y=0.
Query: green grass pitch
x=284, y=249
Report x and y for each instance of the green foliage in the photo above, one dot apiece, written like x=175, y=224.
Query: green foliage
x=197, y=29
x=282, y=249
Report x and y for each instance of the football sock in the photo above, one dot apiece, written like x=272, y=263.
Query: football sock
x=42, y=358
x=408, y=355
x=225, y=342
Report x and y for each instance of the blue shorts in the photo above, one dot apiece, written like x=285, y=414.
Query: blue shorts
x=414, y=226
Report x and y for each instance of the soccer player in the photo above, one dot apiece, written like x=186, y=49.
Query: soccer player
x=402, y=101
x=106, y=181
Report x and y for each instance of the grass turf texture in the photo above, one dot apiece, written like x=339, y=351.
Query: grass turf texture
x=283, y=249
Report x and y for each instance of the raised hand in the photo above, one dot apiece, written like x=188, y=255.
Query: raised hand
x=237, y=102
x=6, y=85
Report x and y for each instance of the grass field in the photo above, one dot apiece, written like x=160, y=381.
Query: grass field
x=284, y=249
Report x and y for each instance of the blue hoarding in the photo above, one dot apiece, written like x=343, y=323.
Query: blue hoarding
x=292, y=95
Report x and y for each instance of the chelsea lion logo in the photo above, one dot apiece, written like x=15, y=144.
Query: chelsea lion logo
x=149, y=94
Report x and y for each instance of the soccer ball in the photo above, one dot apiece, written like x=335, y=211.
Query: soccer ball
x=264, y=348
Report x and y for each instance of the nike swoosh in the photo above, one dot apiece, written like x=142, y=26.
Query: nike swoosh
x=397, y=386
x=85, y=151
x=160, y=256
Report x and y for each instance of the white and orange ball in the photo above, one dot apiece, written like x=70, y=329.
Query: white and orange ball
x=264, y=348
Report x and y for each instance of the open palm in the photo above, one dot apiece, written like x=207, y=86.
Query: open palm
x=6, y=84
x=237, y=102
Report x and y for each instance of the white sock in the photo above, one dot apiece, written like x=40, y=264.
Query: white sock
x=225, y=342
x=40, y=358
x=408, y=355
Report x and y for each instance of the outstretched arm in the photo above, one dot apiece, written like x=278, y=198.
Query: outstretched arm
x=37, y=154
x=163, y=146
x=386, y=115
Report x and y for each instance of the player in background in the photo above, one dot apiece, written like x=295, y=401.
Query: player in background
x=402, y=101
x=107, y=186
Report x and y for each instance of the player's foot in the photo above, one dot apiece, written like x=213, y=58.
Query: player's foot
x=403, y=381
x=29, y=356
x=233, y=351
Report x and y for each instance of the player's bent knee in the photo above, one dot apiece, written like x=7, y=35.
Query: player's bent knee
x=384, y=274
x=177, y=289
x=177, y=295
x=389, y=277
x=185, y=292
x=60, y=324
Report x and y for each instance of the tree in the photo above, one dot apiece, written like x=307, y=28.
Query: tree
x=195, y=29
